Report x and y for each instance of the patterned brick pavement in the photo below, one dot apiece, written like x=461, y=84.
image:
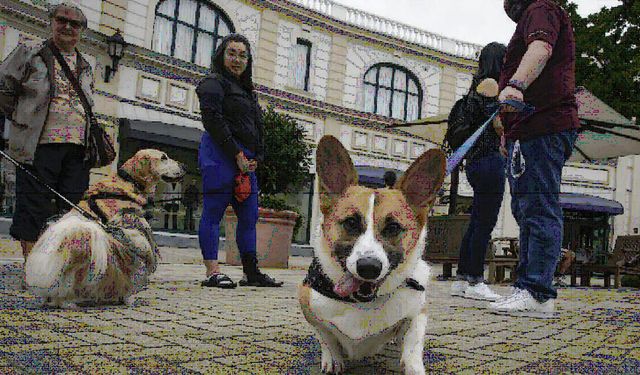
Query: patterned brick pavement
x=176, y=326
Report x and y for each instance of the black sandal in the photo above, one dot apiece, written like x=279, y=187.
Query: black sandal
x=219, y=280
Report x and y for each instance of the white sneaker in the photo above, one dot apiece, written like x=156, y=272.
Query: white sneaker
x=458, y=287
x=522, y=303
x=512, y=292
x=481, y=292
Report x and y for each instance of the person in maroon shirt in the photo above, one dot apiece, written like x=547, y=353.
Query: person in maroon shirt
x=539, y=69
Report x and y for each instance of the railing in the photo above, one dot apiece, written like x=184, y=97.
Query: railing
x=392, y=28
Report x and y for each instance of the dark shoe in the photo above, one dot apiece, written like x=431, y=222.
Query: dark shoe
x=219, y=280
x=261, y=281
x=253, y=276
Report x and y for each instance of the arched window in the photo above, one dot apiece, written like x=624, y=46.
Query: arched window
x=189, y=30
x=393, y=91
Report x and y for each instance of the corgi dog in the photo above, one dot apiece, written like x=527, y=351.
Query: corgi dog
x=367, y=283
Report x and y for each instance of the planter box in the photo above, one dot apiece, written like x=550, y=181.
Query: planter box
x=274, y=232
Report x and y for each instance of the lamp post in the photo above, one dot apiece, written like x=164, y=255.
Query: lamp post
x=116, y=45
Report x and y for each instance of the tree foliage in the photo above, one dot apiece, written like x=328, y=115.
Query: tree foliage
x=285, y=168
x=608, y=54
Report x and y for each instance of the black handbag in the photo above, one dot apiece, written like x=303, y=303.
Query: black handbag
x=100, y=150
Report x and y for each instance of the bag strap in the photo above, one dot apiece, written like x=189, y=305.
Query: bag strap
x=71, y=77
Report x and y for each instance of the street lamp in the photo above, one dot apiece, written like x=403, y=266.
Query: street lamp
x=116, y=45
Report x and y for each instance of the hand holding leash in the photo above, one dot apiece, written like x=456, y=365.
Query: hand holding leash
x=458, y=155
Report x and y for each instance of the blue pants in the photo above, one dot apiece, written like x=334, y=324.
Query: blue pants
x=536, y=207
x=486, y=176
x=218, y=173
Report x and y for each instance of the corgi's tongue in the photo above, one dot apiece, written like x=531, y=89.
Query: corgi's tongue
x=347, y=285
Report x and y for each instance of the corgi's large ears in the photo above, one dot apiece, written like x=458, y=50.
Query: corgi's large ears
x=421, y=182
x=335, y=171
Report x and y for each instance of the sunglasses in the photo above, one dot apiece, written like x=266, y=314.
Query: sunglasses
x=67, y=21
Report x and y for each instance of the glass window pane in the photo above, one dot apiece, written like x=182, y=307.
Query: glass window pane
x=167, y=7
x=398, y=104
x=369, y=97
x=400, y=81
x=223, y=28
x=162, y=36
x=299, y=66
x=184, y=42
x=204, y=50
x=385, y=76
x=384, y=98
x=412, y=108
x=187, y=11
x=207, y=18
x=371, y=76
x=412, y=87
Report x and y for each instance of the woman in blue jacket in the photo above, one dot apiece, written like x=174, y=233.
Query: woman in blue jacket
x=232, y=143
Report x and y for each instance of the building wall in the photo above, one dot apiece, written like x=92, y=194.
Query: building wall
x=152, y=87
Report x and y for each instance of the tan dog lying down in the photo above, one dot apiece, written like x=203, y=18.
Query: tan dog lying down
x=366, y=285
x=76, y=260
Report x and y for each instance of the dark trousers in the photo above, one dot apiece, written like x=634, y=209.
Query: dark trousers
x=487, y=178
x=171, y=210
x=189, y=222
x=535, y=204
x=59, y=165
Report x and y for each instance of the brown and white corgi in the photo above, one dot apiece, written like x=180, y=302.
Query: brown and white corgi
x=366, y=285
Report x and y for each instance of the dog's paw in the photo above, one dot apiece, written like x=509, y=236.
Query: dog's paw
x=412, y=366
x=332, y=364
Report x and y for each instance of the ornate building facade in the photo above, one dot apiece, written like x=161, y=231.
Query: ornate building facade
x=336, y=70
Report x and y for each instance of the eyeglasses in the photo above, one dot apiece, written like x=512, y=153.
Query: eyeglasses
x=236, y=56
x=67, y=21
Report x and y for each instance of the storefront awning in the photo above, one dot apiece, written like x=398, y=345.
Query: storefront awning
x=374, y=176
x=160, y=132
x=585, y=202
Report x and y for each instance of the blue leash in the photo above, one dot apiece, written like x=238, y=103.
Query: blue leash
x=458, y=155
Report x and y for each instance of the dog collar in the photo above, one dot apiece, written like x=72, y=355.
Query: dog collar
x=414, y=284
x=127, y=177
x=318, y=281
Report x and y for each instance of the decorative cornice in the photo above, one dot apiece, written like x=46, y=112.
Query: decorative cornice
x=380, y=40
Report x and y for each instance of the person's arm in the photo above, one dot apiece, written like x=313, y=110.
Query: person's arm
x=12, y=72
x=532, y=64
x=260, y=125
x=211, y=95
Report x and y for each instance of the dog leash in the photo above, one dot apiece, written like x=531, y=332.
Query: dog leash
x=38, y=180
x=458, y=155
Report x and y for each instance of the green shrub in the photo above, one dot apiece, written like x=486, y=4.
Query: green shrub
x=287, y=159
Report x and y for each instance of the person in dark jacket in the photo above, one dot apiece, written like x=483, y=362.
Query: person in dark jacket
x=389, y=179
x=233, y=143
x=485, y=170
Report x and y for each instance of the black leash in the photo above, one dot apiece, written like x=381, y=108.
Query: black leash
x=38, y=180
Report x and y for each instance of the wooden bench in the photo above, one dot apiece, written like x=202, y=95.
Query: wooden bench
x=444, y=236
x=625, y=260
x=499, y=262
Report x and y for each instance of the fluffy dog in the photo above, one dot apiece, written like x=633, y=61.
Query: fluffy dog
x=366, y=285
x=77, y=260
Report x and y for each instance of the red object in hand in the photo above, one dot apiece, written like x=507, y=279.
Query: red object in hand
x=242, y=188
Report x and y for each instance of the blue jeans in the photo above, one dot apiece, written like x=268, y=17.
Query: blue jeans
x=487, y=178
x=535, y=204
x=218, y=173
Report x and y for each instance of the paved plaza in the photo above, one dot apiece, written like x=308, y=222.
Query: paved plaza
x=176, y=326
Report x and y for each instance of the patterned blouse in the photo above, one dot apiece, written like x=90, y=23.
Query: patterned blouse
x=66, y=121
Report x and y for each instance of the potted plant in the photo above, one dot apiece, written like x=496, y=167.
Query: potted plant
x=285, y=169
